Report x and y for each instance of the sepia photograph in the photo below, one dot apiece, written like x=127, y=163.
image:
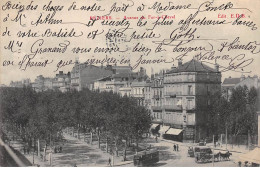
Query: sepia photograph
x=107, y=83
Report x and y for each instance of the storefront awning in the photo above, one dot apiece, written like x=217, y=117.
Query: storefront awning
x=154, y=126
x=252, y=156
x=163, y=129
x=173, y=131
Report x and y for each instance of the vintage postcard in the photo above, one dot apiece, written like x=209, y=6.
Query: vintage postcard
x=100, y=83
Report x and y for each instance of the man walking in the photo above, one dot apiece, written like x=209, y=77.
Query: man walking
x=177, y=147
x=174, y=146
x=109, y=161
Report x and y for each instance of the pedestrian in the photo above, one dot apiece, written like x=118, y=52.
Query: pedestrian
x=239, y=163
x=177, y=147
x=28, y=150
x=75, y=165
x=246, y=163
x=174, y=146
x=24, y=150
x=156, y=138
x=109, y=161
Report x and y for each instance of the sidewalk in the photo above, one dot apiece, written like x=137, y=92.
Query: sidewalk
x=17, y=145
x=235, y=148
x=103, y=156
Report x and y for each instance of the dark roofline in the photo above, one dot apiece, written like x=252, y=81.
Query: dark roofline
x=180, y=69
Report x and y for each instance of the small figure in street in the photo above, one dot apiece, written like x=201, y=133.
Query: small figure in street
x=177, y=147
x=156, y=138
x=75, y=165
x=246, y=163
x=28, y=150
x=174, y=146
x=109, y=161
x=239, y=163
x=24, y=150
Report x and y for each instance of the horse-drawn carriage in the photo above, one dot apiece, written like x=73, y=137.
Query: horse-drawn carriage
x=145, y=158
x=204, y=154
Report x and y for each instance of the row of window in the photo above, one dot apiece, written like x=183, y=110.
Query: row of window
x=175, y=118
x=178, y=78
x=179, y=89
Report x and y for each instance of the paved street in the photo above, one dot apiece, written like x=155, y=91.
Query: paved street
x=82, y=154
x=77, y=152
x=170, y=158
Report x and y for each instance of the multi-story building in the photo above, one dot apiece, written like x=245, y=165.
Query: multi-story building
x=48, y=83
x=157, y=98
x=124, y=82
x=249, y=82
x=231, y=83
x=138, y=91
x=84, y=75
x=148, y=95
x=187, y=90
x=20, y=84
x=61, y=82
x=38, y=84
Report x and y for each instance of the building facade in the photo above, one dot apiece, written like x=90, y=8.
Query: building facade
x=232, y=83
x=181, y=98
x=20, y=84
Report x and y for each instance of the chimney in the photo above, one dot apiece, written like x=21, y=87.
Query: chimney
x=179, y=62
x=173, y=67
x=217, y=67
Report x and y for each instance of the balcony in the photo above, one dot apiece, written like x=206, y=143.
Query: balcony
x=170, y=94
x=156, y=108
x=172, y=107
x=138, y=95
x=190, y=108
